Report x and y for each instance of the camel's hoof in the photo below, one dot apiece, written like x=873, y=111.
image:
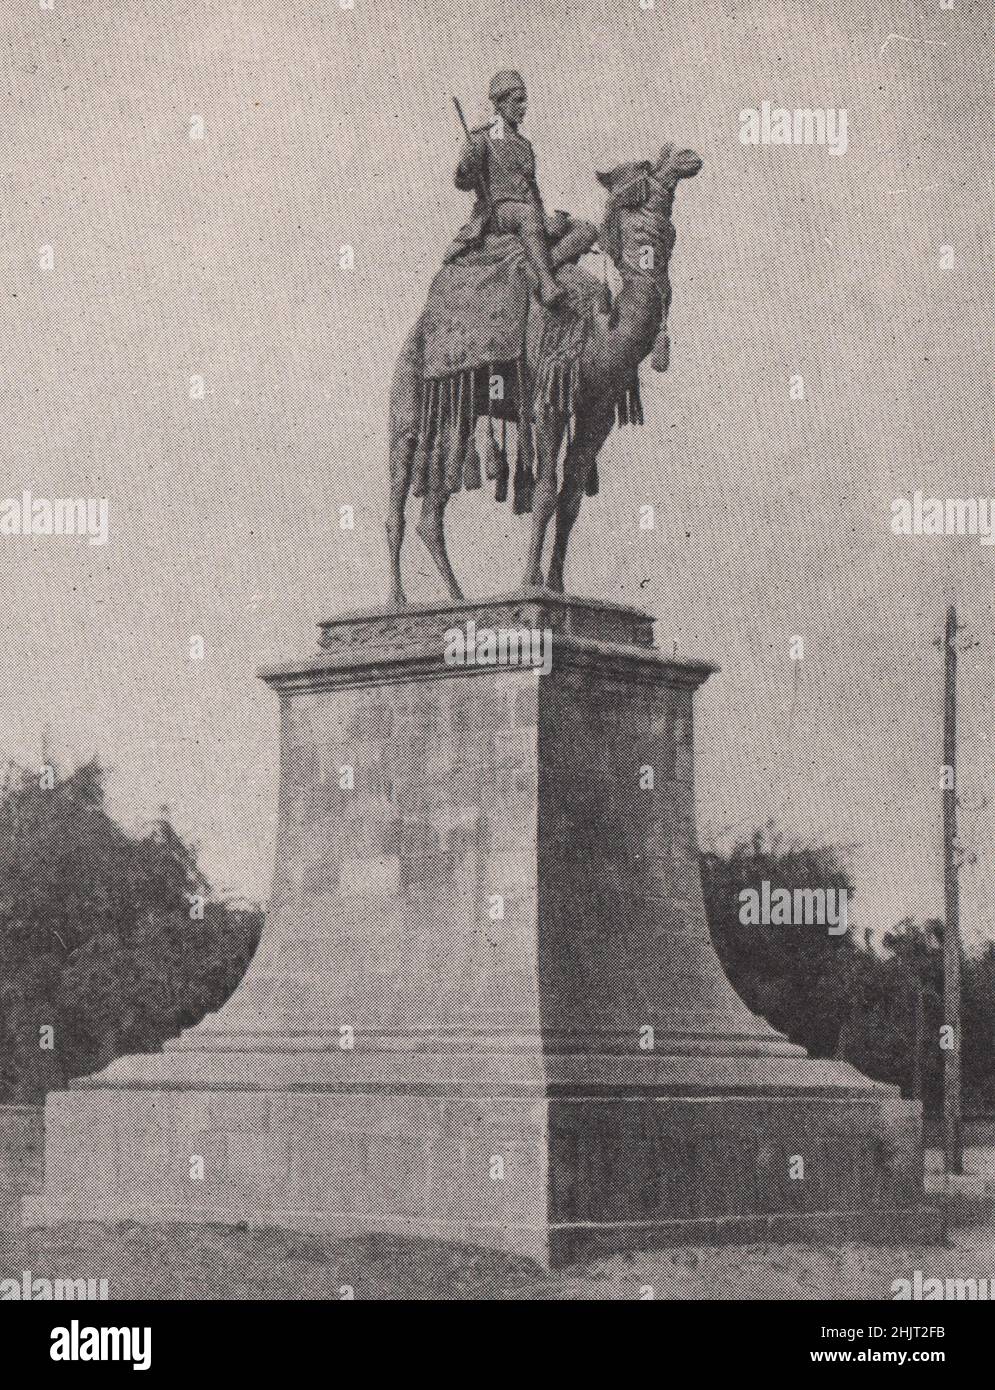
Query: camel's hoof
x=398, y=599
x=555, y=583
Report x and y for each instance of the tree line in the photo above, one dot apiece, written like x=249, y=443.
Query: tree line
x=112, y=942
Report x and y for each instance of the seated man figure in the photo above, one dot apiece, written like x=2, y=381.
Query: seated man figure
x=498, y=163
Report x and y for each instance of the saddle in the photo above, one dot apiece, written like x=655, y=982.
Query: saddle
x=483, y=318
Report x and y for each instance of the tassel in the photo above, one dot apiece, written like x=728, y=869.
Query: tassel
x=492, y=466
x=471, y=463
x=437, y=453
x=526, y=453
x=523, y=407
x=524, y=486
x=502, y=476
x=454, y=454
x=524, y=477
x=454, y=466
x=472, y=478
x=504, y=472
x=419, y=463
x=492, y=463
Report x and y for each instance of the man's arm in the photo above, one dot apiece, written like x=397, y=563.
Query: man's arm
x=470, y=169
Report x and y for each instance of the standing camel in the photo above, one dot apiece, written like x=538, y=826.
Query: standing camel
x=638, y=235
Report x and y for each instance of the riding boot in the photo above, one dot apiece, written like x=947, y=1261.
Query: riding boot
x=550, y=293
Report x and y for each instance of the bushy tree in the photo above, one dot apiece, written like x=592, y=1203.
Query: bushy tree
x=840, y=996
x=799, y=978
x=111, y=941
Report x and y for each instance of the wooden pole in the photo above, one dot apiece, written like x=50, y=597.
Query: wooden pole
x=919, y=1022
x=952, y=1133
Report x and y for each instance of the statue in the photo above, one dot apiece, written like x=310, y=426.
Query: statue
x=498, y=163
x=471, y=1038
x=558, y=372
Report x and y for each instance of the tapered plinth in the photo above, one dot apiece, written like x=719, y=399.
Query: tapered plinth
x=485, y=1003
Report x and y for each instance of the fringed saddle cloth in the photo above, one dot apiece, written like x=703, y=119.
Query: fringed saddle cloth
x=482, y=323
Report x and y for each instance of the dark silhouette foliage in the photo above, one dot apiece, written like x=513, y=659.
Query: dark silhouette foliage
x=110, y=943
x=840, y=996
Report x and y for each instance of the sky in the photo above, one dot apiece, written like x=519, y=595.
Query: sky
x=173, y=257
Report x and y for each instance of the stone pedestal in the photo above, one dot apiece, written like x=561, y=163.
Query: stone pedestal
x=485, y=1005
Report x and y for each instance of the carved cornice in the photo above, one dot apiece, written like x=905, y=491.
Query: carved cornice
x=383, y=646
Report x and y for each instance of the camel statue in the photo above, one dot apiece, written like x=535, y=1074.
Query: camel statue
x=549, y=396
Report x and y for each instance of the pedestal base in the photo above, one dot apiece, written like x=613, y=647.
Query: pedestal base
x=556, y=1180
x=485, y=1005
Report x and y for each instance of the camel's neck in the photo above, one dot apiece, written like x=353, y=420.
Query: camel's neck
x=638, y=315
x=646, y=240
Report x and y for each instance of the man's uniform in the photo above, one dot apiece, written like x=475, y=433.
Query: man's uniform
x=499, y=159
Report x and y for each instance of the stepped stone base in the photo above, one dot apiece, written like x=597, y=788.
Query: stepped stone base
x=485, y=1005
x=578, y=1177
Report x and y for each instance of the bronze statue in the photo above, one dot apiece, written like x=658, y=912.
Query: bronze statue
x=487, y=348
x=498, y=164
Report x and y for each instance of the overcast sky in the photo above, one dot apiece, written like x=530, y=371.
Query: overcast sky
x=219, y=257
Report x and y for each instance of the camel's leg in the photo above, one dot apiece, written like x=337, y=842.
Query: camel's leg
x=549, y=433
x=432, y=531
x=592, y=431
x=400, y=481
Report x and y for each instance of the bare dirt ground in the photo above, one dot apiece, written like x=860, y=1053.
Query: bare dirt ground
x=213, y=1262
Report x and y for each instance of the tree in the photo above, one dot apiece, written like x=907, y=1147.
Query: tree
x=109, y=942
x=841, y=997
x=799, y=978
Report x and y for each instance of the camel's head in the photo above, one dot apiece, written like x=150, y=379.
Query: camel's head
x=674, y=165
x=635, y=183
x=640, y=201
x=638, y=219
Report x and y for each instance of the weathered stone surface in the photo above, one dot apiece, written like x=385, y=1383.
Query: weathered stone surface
x=22, y=1144
x=397, y=1040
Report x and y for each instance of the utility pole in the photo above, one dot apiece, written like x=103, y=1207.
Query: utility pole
x=953, y=1144
x=919, y=1023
